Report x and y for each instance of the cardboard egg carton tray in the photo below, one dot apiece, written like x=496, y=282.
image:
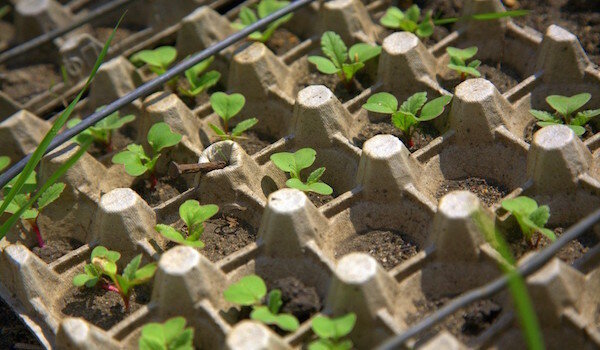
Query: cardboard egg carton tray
x=381, y=186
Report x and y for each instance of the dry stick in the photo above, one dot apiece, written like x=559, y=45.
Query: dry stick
x=176, y=170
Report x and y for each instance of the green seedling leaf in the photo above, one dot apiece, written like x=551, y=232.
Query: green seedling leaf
x=293, y=163
x=462, y=54
x=158, y=59
x=414, y=103
x=434, y=108
x=249, y=290
x=50, y=195
x=363, y=52
x=102, y=252
x=29, y=186
x=567, y=105
x=392, y=18
x=4, y=162
x=218, y=131
x=530, y=217
x=243, y=126
x=350, y=69
x=275, y=302
x=200, y=82
x=544, y=116
x=315, y=175
x=458, y=58
x=317, y=187
x=173, y=235
x=331, y=331
x=132, y=159
x=466, y=70
x=381, y=102
x=20, y=201
x=227, y=106
x=194, y=214
x=171, y=335
x=286, y=322
x=324, y=65
x=408, y=21
x=264, y=8
x=334, y=48
x=160, y=137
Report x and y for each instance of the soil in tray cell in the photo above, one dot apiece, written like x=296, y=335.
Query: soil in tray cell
x=532, y=128
x=13, y=333
x=225, y=235
x=388, y=247
x=488, y=191
x=22, y=83
x=501, y=75
x=319, y=199
x=344, y=93
x=56, y=248
x=101, y=307
x=282, y=41
x=465, y=324
x=165, y=189
x=253, y=142
x=580, y=17
x=569, y=253
x=420, y=138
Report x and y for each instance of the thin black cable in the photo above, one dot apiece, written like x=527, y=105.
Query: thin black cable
x=51, y=35
x=153, y=85
x=527, y=268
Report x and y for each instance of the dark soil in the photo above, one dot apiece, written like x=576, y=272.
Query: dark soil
x=388, y=247
x=282, y=41
x=253, y=142
x=103, y=33
x=319, y=199
x=25, y=82
x=13, y=333
x=226, y=235
x=488, y=191
x=532, y=128
x=166, y=188
x=298, y=299
x=56, y=248
x=571, y=252
x=420, y=138
x=501, y=75
x=580, y=17
x=464, y=324
x=333, y=83
x=103, y=308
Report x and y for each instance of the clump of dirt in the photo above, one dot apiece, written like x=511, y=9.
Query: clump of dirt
x=282, y=41
x=165, y=189
x=298, y=299
x=56, y=248
x=488, y=191
x=225, y=235
x=13, y=332
x=319, y=199
x=22, y=83
x=253, y=142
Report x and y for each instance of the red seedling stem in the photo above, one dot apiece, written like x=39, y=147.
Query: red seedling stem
x=38, y=234
x=153, y=181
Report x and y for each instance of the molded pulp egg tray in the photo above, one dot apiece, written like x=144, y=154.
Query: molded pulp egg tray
x=378, y=185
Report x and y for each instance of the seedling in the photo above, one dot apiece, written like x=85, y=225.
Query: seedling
x=171, y=335
x=158, y=60
x=194, y=215
x=135, y=159
x=408, y=21
x=4, y=10
x=200, y=82
x=250, y=291
x=293, y=163
x=4, y=162
x=101, y=133
x=564, y=107
x=531, y=217
x=341, y=61
x=103, y=269
x=406, y=118
x=227, y=107
x=331, y=332
x=264, y=8
x=458, y=61
x=31, y=214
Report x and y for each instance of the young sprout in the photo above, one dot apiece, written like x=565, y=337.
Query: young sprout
x=4, y=162
x=103, y=269
x=171, y=335
x=227, y=107
x=20, y=200
x=293, y=163
x=264, y=8
x=531, y=217
x=408, y=21
x=200, y=82
x=250, y=291
x=4, y=10
x=406, y=118
x=158, y=60
x=331, y=332
x=458, y=61
x=101, y=133
x=341, y=61
x=194, y=215
x=564, y=108
x=135, y=159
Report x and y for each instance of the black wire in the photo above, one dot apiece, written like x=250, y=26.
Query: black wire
x=527, y=268
x=47, y=37
x=153, y=85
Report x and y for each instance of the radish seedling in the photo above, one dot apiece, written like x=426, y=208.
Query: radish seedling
x=408, y=21
x=564, y=107
x=406, y=118
x=531, y=217
x=341, y=61
x=31, y=214
x=458, y=61
x=194, y=215
x=331, y=332
x=103, y=269
x=101, y=133
x=4, y=162
x=227, y=107
x=264, y=8
x=158, y=60
x=171, y=335
x=250, y=291
x=135, y=159
x=200, y=82
x=293, y=163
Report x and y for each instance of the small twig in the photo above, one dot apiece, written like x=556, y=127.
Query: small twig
x=176, y=170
